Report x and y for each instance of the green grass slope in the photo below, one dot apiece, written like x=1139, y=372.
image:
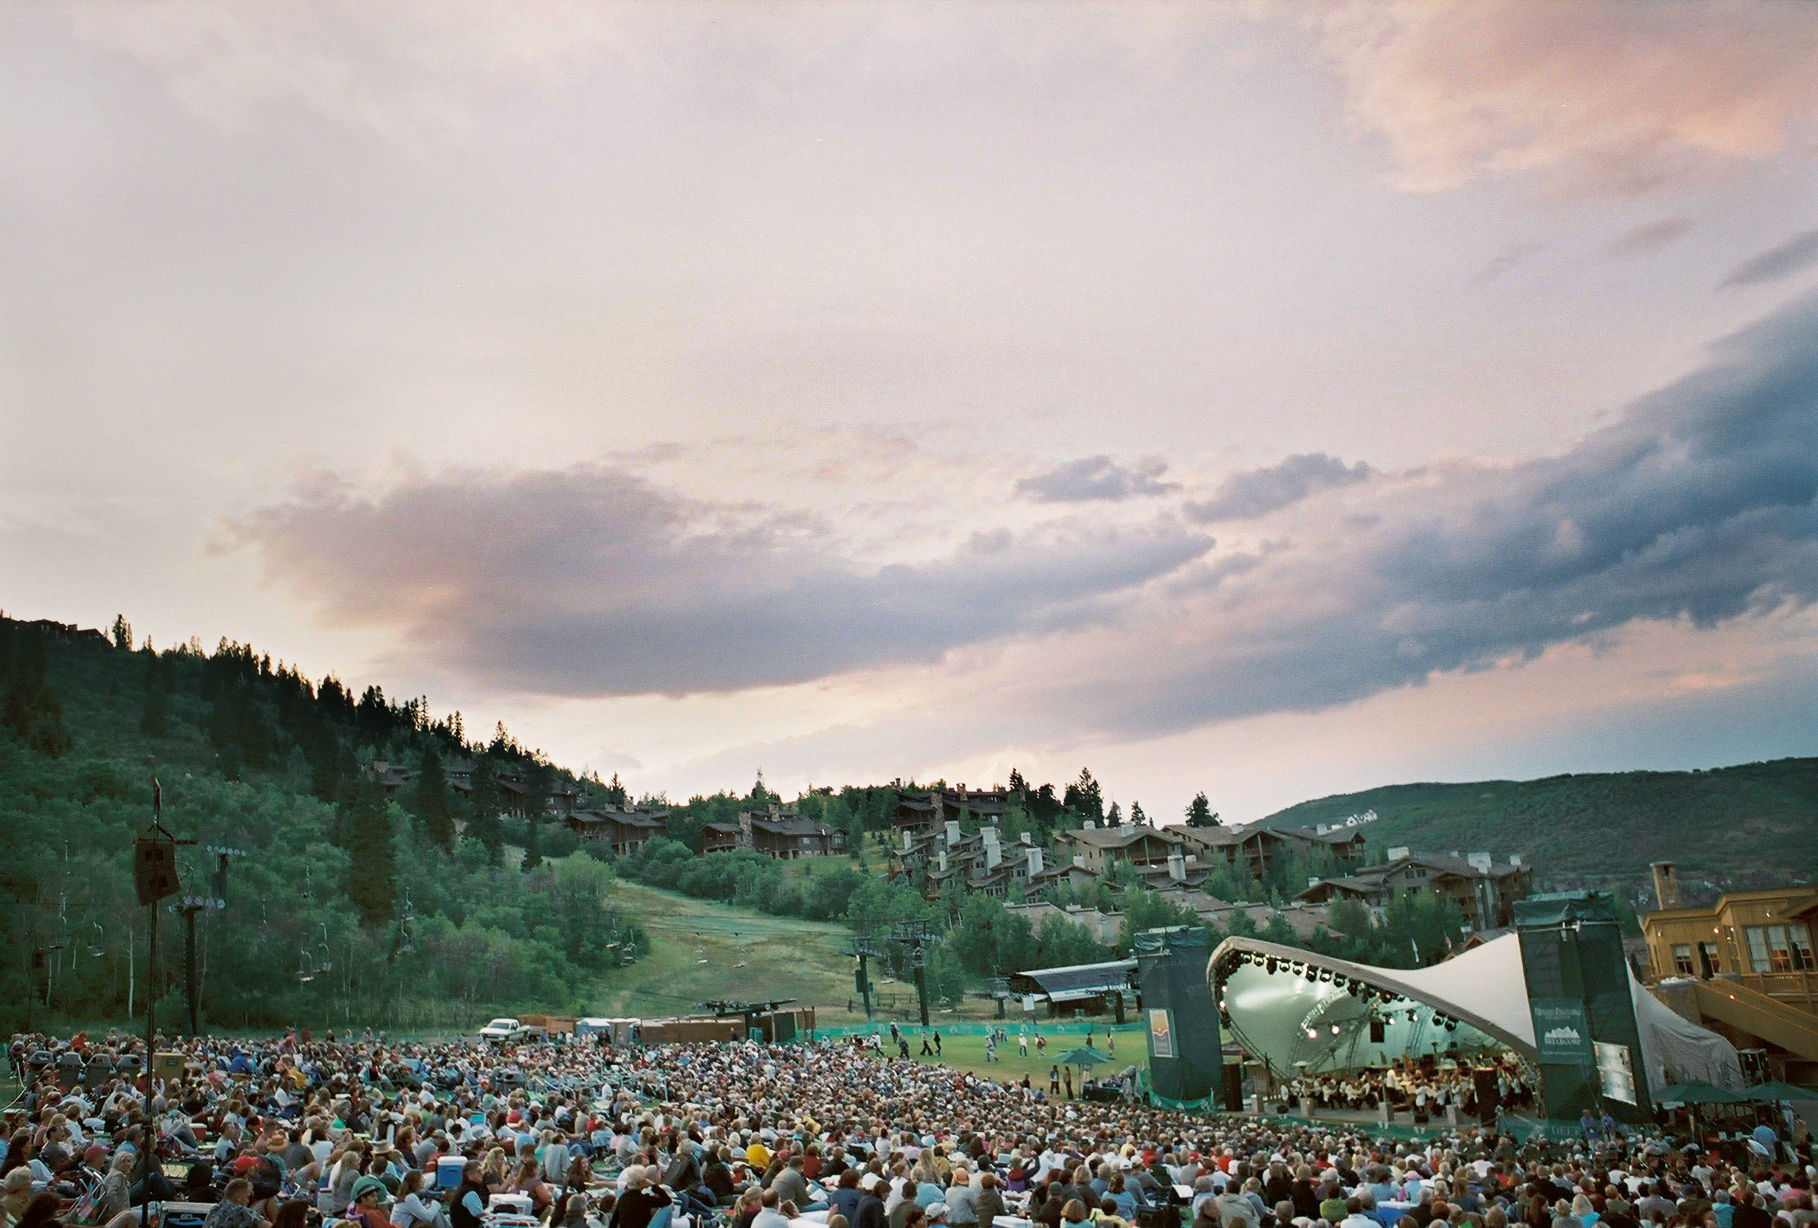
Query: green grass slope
x=1753, y=823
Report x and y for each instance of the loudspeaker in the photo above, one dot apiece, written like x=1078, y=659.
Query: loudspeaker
x=1185, y=1049
x=1234, y=1088
x=1378, y=1031
x=154, y=870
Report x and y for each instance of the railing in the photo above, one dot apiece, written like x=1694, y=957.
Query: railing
x=1759, y=1014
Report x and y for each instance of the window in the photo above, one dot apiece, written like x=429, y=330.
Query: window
x=1770, y=950
x=1707, y=960
x=1758, y=948
x=1682, y=958
x=1800, y=939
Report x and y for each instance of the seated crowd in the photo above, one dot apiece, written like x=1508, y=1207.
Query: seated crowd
x=291, y=1131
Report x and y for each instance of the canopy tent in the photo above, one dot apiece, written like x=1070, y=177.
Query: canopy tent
x=1074, y=982
x=1301, y=1011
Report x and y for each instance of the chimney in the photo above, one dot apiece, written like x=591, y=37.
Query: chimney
x=953, y=832
x=1399, y=853
x=744, y=827
x=1319, y=829
x=1514, y=859
x=940, y=861
x=1313, y=881
x=992, y=853
x=1034, y=856
x=1177, y=865
x=1480, y=862
x=1666, y=885
x=908, y=840
x=1092, y=824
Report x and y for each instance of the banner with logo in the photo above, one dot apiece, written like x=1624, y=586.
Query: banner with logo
x=1562, y=1033
x=1161, y=1034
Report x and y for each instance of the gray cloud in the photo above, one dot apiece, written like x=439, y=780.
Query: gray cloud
x=1097, y=478
x=1647, y=237
x=1699, y=504
x=1785, y=259
x=1253, y=493
x=588, y=581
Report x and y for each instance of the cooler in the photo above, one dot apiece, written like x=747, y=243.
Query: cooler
x=448, y=1172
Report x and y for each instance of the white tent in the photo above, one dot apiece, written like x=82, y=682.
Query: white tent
x=1292, y=1008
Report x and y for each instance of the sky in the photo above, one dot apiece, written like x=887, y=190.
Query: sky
x=1272, y=400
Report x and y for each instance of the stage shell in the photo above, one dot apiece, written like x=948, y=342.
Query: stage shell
x=1302, y=1012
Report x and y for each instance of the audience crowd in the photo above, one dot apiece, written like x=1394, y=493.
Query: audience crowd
x=296, y=1131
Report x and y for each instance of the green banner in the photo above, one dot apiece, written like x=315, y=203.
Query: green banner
x=1562, y=1033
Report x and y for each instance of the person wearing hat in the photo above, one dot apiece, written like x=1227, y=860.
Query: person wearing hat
x=369, y=1196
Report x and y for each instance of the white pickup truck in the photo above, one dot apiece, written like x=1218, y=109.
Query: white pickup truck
x=508, y=1030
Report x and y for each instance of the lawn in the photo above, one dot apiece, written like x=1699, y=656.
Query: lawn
x=968, y=1052
x=701, y=950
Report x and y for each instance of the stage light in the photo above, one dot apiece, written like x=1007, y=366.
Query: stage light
x=1335, y=1029
x=1269, y=967
x=1312, y=975
x=1312, y=1034
x=1325, y=974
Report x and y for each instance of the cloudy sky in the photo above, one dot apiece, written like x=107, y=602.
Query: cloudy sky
x=1269, y=400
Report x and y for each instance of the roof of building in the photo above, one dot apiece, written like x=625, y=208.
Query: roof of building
x=1074, y=981
x=787, y=823
x=1117, y=837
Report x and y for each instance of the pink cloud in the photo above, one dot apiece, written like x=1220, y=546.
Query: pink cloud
x=1599, y=97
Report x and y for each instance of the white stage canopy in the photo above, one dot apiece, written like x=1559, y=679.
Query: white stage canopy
x=1300, y=1011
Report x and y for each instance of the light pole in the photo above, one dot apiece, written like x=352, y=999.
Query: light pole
x=187, y=908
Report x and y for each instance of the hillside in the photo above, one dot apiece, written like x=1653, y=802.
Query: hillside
x=350, y=901
x=1753, y=823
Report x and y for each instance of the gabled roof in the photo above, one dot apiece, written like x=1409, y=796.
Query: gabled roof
x=1349, y=884
x=787, y=823
x=1335, y=835
x=1117, y=837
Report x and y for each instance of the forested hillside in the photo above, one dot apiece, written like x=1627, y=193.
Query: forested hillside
x=346, y=908
x=1754, y=823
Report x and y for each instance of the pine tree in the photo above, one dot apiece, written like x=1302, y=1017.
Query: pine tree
x=533, y=843
x=432, y=803
x=372, y=874
x=1114, y=817
x=1137, y=817
x=152, y=719
x=1200, y=813
x=483, y=825
x=121, y=633
x=30, y=710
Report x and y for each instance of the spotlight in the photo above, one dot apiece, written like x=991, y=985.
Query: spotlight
x=1335, y=1029
x=1269, y=966
x=1325, y=974
x=1312, y=1034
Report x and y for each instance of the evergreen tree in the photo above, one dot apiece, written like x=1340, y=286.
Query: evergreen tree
x=1137, y=817
x=1083, y=797
x=614, y=794
x=153, y=716
x=1114, y=817
x=533, y=842
x=30, y=710
x=1200, y=813
x=483, y=823
x=432, y=803
x=372, y=873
